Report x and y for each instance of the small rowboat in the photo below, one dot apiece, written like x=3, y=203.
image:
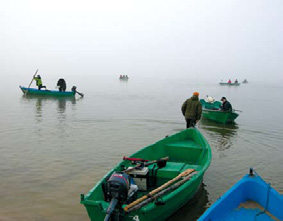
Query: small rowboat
x=212, y=111
x=249, y=199
x=229, y=84
x=159, y=188
x=44, y=92
x=124, y=78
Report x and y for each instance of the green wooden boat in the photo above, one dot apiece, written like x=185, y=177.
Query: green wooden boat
x=166, y=187
x=43, y=92
x=229, y=84
x=211, y=111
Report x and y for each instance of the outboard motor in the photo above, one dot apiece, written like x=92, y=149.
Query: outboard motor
x=74, y=88
x=119, y=189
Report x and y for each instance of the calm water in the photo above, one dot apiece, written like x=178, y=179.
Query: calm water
x=52, y=150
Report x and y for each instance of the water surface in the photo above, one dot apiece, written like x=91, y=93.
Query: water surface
x=52, y=150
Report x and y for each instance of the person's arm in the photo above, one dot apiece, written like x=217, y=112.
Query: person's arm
x=229, y=107
x=184, y=107
x=199, y=111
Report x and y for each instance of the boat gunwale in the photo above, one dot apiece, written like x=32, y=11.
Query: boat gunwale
x=34, y=91
x=219, y=111
x=245, y=180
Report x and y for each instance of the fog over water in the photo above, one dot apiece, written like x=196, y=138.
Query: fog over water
x=52, y=150
x=203, y=39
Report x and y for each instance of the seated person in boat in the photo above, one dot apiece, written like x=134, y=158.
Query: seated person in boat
x=226, y=106
x=62, y=84
x=236, y=81
x=39, y=82
x=229, y=82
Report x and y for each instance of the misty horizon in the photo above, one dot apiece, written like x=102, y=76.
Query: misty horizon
x=217, y=40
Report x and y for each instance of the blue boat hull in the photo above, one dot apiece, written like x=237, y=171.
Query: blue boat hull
x=249, y=199
x=43, y=92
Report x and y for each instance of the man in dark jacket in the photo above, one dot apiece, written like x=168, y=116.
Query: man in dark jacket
x=226, y=106
x=192, y=109
x=62, y=84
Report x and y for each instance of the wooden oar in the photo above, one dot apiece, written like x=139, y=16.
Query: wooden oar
x=164, y=191
x=150, y=194
x=31, y=81
x=145, y=164
x=237, y=110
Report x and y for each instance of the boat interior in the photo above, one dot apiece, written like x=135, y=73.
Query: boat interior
x=185, y=151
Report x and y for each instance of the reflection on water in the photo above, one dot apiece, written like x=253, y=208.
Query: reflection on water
x=42, y=102
x=194, y=208
x=221, y=134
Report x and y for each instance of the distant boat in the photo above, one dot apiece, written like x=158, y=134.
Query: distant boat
x=34, y=91
x=162, y=186
x=123, y=77
x=229, y=84
x=245, y=81
x=251, y=198
x=212, y=111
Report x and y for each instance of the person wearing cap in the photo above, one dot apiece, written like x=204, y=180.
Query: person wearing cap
x=226, y=106
x=39, y=82
x=192, y=110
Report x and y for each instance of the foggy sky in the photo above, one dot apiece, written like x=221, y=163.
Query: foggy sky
x=204, y=39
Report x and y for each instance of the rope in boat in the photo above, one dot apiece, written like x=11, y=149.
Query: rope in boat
x=267, y=198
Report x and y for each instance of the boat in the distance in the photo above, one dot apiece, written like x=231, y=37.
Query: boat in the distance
x=45, y=92
x=123, y=77
x=251, y=198
x=229, y=84
x=212, y=111
x=165, y=176
x=245, y=81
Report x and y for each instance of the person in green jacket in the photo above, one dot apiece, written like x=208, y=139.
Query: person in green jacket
x=192, y=110
x=39, y=82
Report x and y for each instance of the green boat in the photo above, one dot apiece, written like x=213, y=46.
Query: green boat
x=159, y=187
x=229, y=84
x=212, y=111
x=33, y=91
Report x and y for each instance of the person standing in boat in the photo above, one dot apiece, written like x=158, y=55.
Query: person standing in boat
x=39, y=82
x=226, y=106
x=192, y=110
x=62, y=84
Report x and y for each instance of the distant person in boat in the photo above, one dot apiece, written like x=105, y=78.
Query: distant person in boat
x=226, y=106
x=39, y=82
x=61, y=84
x=236, y=81
x=229, y=82
x=192, y=110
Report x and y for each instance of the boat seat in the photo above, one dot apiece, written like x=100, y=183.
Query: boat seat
x=187, y=151
x=171, y=170
x=185, y=143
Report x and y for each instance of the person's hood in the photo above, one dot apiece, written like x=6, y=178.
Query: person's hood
x=194, y=98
